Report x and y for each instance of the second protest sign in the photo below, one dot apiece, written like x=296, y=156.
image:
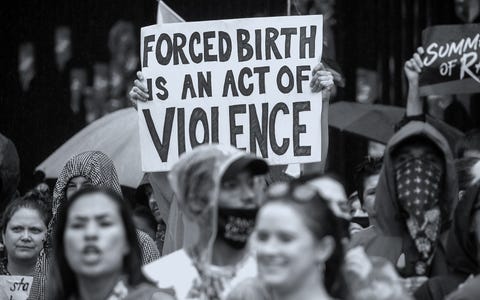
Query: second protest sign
x=242, y=82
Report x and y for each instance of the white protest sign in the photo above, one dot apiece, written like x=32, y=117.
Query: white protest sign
x=15, y=287
x=243, y=82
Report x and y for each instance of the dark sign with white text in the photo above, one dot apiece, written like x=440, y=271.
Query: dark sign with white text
x=451, y=60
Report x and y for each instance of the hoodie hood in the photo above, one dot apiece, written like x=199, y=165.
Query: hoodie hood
x=388, y=217
x=95, y=166
x=9, y=171
x=461, y=249
x=196, y=180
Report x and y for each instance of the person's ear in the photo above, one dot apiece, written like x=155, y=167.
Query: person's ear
x=325, y=248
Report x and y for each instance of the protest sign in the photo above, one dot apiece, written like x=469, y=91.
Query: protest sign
x=243, y=82
x=15, y=287
x=451, y=60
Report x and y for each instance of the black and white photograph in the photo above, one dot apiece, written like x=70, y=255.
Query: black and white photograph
x=240, y=150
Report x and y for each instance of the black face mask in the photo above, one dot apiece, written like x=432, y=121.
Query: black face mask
x=235, y=225
x=344, y=227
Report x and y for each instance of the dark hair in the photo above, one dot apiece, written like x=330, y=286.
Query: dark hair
x=62, y=282
x=322, y=222
x=144, y=212
x=471, y=141
x=142, y=195
x=32, y=200
x=368, y=167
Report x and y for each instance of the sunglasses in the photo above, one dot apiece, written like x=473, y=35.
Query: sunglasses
x=301, y=193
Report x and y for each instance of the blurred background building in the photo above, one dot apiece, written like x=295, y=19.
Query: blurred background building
x=66, y=63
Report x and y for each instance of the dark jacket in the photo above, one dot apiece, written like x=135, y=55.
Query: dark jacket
x=461, y=251
x=391, y=238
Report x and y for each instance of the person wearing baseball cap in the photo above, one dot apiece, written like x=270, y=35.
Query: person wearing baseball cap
x=218, y=190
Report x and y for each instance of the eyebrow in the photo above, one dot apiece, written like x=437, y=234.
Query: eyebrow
x=84, y=218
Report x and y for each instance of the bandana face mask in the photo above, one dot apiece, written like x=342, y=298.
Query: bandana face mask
x=236, y=225
x=418, y=183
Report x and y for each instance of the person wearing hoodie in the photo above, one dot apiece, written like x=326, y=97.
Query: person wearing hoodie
x=9, y=171
x=416, y=195
x=416, y=104
x=219, y=190
x=462, y=252
x=90, y=168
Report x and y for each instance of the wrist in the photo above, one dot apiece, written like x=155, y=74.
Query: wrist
x=325, y=95
x=413, y=83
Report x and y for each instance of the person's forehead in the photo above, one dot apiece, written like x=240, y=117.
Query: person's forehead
x=25, y=216
x=274, y=215
x=416, y=146
x=242, y=174
x=78, y=179
x=473, y=153
x=93, y=204
x=371, y=181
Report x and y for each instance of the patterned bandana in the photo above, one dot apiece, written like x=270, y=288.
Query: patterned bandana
x=418, y=182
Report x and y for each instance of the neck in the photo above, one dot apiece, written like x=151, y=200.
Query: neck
x=97, y=288
x=224, y=255
x=310, y=287
x=21, y=267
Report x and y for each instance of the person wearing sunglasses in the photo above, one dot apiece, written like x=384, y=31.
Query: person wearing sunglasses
x=298, y=259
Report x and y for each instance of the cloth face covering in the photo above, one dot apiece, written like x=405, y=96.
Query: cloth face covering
x=417, y=181
x=235, y=225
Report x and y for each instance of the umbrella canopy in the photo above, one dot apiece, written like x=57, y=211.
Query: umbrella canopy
x=116, y=135
x=377, y=122
x=373, y=121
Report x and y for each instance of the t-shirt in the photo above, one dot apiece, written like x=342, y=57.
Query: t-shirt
x=177, y=271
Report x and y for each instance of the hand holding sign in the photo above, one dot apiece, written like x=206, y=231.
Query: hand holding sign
x=413, y=67
x=242, y=82
x=139, y=91
x=322, y=79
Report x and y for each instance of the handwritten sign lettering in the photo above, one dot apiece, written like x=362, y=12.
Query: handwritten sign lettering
x=242, y=82
x=15, y=287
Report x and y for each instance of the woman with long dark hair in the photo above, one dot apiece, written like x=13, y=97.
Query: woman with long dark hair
x=90, y=168
x=96, y=252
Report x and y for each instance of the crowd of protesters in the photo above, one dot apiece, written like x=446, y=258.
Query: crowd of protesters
x=231, y=229
x=223, y=224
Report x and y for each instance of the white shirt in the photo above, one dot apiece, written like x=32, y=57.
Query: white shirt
x=176, y=271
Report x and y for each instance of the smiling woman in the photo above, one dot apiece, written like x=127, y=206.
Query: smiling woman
x=298, y=259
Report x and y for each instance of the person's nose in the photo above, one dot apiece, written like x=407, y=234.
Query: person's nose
x=267, y=248
x=91, y=231
x=26, y=235
x=248, y=195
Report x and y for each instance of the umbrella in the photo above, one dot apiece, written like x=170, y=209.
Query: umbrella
x=377, y=122
x=116, y=135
